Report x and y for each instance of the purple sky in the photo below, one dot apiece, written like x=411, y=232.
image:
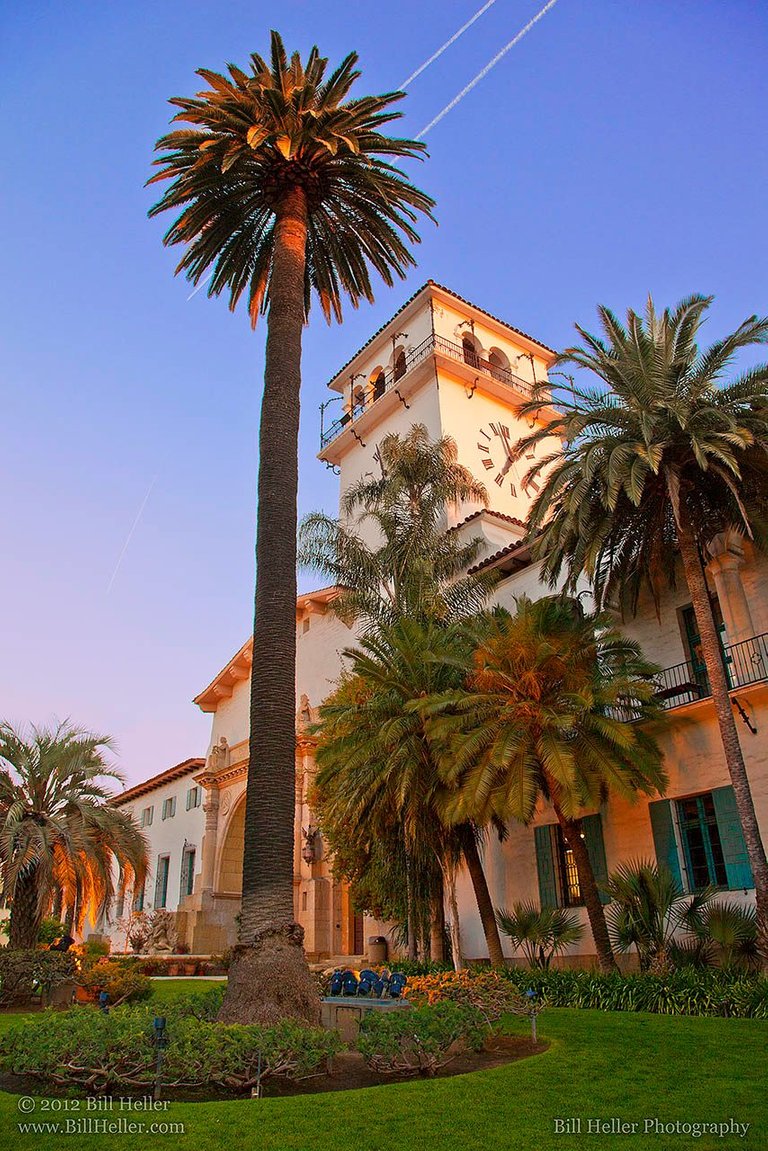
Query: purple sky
x=619, y=148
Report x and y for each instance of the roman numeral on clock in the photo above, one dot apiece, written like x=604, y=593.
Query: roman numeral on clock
x=488, y=464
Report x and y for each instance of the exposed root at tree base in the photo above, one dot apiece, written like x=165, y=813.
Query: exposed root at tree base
x=270, y=980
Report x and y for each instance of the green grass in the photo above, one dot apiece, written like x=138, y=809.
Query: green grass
x=599, y=1065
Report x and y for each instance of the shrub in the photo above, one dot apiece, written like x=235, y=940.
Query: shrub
x=203, y=1005
x=715, y=992
x=487, y=991
x=120, y=979
x=23, y=972
x=419, y=1040
x=101, y=1052
x=541, y=933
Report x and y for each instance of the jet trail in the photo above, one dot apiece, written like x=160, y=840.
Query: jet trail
x=134, y=525
x=482, y=74
x=447, y=44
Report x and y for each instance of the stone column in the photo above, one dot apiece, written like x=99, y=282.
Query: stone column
x=727, y=559
x=210, y=836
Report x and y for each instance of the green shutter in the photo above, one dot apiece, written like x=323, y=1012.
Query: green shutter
x=737, y=867
x=592, y=830
x=545, y=865
x=664, y=836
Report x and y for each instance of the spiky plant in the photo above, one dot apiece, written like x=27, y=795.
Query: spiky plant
x=540, y=933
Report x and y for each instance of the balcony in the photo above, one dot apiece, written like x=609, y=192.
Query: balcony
x=746, y=663
x=388, y=381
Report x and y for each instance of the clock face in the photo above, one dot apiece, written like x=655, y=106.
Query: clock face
x=495, y=448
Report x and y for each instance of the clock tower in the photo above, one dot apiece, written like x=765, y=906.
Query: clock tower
x=445, y=363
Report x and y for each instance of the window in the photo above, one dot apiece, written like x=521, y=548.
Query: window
x=138, y=900
x=169, y=807
x=378, y=383
x=468, y=349
x=194, y=797
x=558, y=877
x=187, y=871
x=400, y=364
x=499, y=364
x=700, y=840
x=147, y=816
x=161, y=881
x=120, y=907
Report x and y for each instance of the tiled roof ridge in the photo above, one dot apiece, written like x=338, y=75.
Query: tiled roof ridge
x=456, y=296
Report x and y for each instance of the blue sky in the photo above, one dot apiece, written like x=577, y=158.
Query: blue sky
x=619, y=148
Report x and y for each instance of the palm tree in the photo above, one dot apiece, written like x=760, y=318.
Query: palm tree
x=416, y=569
x=377, y=777
x=59, y=837
x=283, y=189
x=538, y=717
x=660, y=456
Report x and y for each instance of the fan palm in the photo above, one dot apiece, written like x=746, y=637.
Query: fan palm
x=416, y=569
x=377, y=775
x=283, y=190
x=540, y=933
x=649, y=908
x=660, y=456
x=59, y=837
x=538, y=717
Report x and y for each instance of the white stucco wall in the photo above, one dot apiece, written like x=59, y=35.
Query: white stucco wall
x=164, y=837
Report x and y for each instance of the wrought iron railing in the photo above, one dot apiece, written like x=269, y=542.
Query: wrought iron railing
x=745, y=663
x=389, y=380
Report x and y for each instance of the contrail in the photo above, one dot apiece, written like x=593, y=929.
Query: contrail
x=199, y=286
x=447, y=44
x=134, y=525
x=491, y=64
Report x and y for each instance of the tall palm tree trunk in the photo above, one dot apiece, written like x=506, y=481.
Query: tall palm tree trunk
x=26, y=911
x=457, y=955
x=269, y=978
x=589, y=891
x=437, y=923
x=483, y=897
x=720, y=688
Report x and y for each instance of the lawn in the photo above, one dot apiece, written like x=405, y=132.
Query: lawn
x=600, y=1065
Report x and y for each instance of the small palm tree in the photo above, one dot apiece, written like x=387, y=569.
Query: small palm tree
x=660, y=456
x=649, y=909
x=417, y=568
x=283, y=189
x=59, y=837
x=377, y=776
x=538, y=717
x=540, y=933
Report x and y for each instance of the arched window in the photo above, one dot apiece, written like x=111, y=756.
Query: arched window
x=399, y=364
x=470, y=351
x=499, y=364
x=378, y=383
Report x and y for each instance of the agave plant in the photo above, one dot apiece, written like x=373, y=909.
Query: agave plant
x=649, y=908
x=541, y=933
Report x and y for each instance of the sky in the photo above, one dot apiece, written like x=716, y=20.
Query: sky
x=618, y=149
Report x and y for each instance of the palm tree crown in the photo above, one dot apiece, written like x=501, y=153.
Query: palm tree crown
x=656, y=439
x=257, y=136
x=538, y=717
x=417, y=568
x=57, y=831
